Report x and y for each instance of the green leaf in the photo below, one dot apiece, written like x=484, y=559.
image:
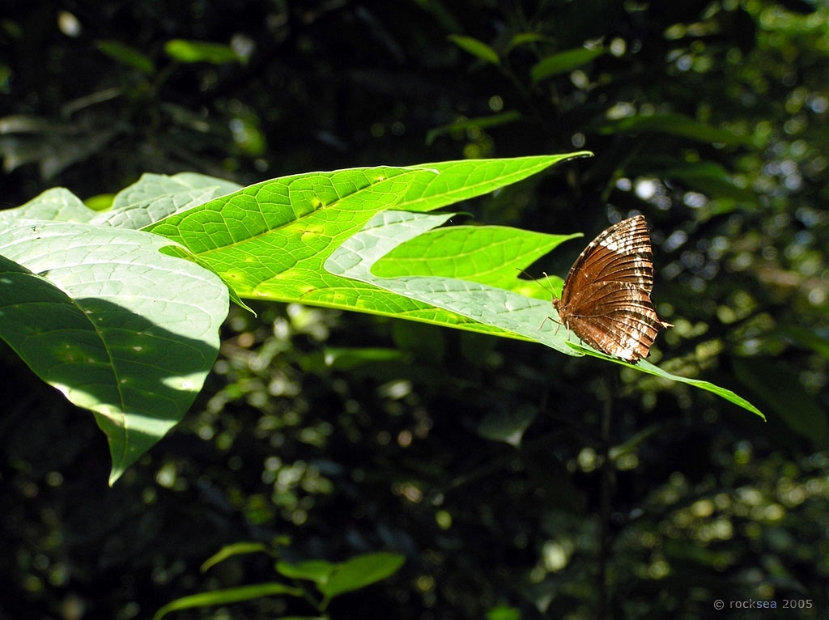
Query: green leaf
x=156, y=196
x=671, y=124
x=711, y=179
x=350, y=358
x=631, y=444
x=493, y=255
x=317, y=571
x=525, y=38
x=502, y=612
x=56, y=204
x=360, y=572
x=507, y=425
x=481, y=122
x=419, y=340
x=270, y=240
x=111, y=299
x=99, y=202
x=198, y=51
x=95, y=310
x=229, y=551
x=476, y=48
x=334, y=579
x=807, y=338
x=464, y=179
x=563, y=62
x=116, y=326
x=225, y=597
x=503, y=311
x=782, y=390
x=127, y=55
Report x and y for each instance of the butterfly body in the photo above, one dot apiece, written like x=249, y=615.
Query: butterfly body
x=606, y=299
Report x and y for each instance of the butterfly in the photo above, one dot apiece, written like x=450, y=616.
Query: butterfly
x=606, y=299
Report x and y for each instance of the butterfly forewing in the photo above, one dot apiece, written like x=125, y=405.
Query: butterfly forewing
x=606, y=296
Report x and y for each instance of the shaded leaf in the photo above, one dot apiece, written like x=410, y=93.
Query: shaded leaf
x=127, y=55
x=711, y=179
x=225, y=597
x=507, y=426
x=360, y=572
x=311, y=570
x=349, y=358
x=525, y=38
x=782, y=390
x=116, y=326
x=672, y=124
x=563, y=62
x=809, y=339
x=229, y=551
x=476, y=48
x=502, y=612
x=481, y=122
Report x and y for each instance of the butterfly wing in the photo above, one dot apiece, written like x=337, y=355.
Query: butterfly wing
x=606, y=297
x=622, y=321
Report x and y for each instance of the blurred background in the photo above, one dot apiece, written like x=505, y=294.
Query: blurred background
x=478, y=459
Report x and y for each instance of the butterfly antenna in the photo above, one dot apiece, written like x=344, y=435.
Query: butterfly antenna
x=536, y=280
x=549, y=288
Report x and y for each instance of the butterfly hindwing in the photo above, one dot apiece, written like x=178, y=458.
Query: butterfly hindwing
x=606, y=296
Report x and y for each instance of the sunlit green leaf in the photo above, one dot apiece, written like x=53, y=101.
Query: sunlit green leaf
x=270, y=240
x=499, y=308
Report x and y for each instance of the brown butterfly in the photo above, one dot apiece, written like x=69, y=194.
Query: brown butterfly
x=606, y=299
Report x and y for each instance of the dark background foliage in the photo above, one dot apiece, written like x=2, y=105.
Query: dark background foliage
x=699, y=501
